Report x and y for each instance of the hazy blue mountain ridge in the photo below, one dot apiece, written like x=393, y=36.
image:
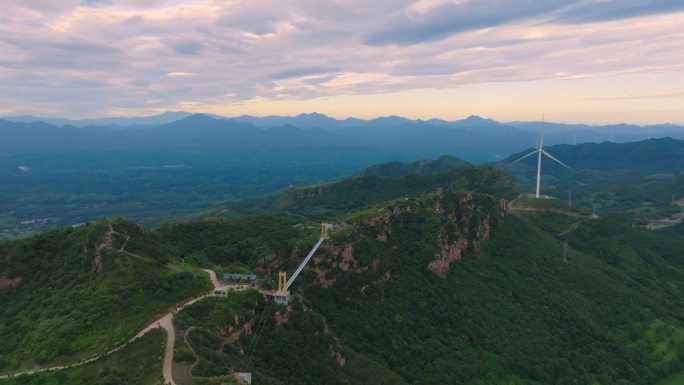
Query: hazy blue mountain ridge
x=163, y=118
x=418, y=139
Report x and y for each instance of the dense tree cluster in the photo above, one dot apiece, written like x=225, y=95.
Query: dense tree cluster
x=64, y=308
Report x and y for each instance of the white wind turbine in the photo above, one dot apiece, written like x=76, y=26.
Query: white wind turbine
x=539, y=151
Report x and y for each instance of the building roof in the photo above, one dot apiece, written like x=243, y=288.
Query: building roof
x=249, y=277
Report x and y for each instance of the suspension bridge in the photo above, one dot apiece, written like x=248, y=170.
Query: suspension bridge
x=280, y=296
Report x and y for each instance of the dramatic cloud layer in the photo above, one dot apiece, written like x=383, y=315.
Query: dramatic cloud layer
x=102, y=57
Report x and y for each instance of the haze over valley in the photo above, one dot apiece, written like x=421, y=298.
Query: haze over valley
x=132, y=167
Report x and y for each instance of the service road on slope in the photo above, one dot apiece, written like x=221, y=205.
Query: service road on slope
x=165, y=322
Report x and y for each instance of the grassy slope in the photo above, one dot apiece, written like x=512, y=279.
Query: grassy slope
x=64, y=310
x=140, y=363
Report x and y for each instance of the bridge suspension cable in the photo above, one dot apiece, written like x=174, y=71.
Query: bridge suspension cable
x=282, y=295
x=303, y=264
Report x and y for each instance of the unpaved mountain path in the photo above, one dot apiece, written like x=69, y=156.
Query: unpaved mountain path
x=212, y=276
x=555, y=210
x=165, y=322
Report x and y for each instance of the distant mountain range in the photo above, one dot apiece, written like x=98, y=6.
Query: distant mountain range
x=474, y=139
x=164, y=118
x=314, y=120
x=645, y=157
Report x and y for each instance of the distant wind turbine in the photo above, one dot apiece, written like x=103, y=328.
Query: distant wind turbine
x=539, y=151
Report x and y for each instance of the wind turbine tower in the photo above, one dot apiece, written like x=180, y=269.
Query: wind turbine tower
x=539, y=151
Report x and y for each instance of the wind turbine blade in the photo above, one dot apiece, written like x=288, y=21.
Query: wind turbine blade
x=530, y=154
x=541, y=132
x=551, y=156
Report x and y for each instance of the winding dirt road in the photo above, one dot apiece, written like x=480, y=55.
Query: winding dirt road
x=212, y=276
x=166, y=322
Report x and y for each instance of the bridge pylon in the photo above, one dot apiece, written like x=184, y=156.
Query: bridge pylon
x=282, y=295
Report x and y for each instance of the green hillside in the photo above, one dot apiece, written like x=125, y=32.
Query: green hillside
x=449, y=287
x=591, y=163
x=243, y=241
x=423, y=167
x=431, y=279
x=347, y=195
x=513, y=312
x=637, y=198
x=71, y=294
x=139, y=363
x=296, y=345
x=637, y=180
x=647, y=157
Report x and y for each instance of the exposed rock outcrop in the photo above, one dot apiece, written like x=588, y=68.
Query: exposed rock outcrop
x=468, y=236
x=6, y=282
x=471, y=215
x=505, y=207
x=336, y=353
x=311, y=193
x=452, y=252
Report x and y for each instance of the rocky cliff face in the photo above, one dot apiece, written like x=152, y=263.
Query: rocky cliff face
x=471, y=231
x=7, y=282
x=462, y=222
x=309, y=192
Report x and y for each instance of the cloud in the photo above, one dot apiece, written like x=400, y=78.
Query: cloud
x=93, y=57
x=179, y=74
x=134, y=20
x=446, y=19
x=640, y=96
x=605, y=10
x=186, y=46
x=49, y=8
x=302, y=71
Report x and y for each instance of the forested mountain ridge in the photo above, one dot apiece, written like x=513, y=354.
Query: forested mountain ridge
x=476, y=295
x=425, y=279
x=342, y=197
x=640, y=180
x=665, y=155
x=452, y=286
x=72, y=294
x=422, y=167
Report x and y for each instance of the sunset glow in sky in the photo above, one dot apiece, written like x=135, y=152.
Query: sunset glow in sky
x=593, y=61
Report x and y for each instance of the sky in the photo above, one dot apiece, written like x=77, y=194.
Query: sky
x=591, y=61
